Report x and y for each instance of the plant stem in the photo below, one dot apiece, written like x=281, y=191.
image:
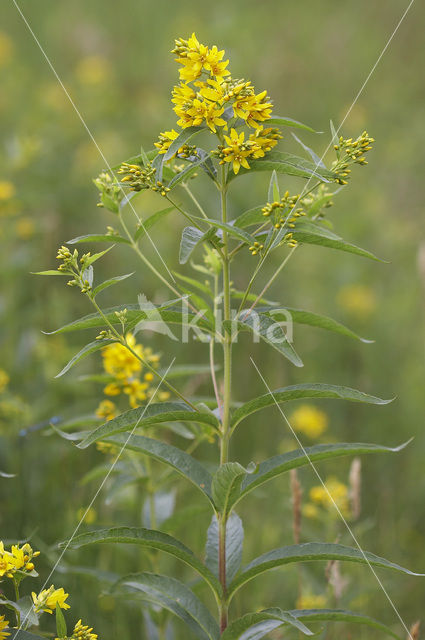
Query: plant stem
x=212, y=344
x=18, y=614
x=194, y=200
x=227, y=384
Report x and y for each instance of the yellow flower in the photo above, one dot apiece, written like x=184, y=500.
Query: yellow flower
x=311, y=602
x=333, y=493
x=47, y=599
x=119, y=362
x=7, y=190
x=108, y=448
x=106, y=409
x=165, y=139
x=195, y=58
x=89, y=515
x=237, y=150
x=82, y=632
x=6, y=49
x=263, y=140
x=3, y=625
x=357, y=299
x=4, y=380
x=25, y=228
x=93, y=70
x=136, y=391
x=309, y=420
x=6, y=564
x=310, y=510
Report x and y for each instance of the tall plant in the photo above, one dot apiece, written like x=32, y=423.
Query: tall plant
x=240, y=135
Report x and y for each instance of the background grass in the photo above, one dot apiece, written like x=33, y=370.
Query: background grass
x=115, y=61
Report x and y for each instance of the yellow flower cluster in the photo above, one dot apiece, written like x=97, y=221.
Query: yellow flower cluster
x=4, y=380
x=309, y=420
x=333, y=493
x=3, y=625
x=81, y=632
x=208, y=96
x=126, y=367
x=360, y=300
x=17, y=559
x=47, y=599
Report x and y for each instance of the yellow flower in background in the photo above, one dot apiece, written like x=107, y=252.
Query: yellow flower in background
x=7, y=190
x=311, y=602
x=333, y=493
x=357, y=299
x=3, y=625
x=4, y=380
x=119, y=362
x=136, y=391
x=93, y=70
x=309, y=420
x=89, y=515
x=107, y=409
x=47, y=599
x=25, y=228
x=6, y=48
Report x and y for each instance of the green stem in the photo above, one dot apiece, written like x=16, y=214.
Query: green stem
x=195, y=200
x=18, y=615
x=212, y=344
x=186, y=215
x=227, y=384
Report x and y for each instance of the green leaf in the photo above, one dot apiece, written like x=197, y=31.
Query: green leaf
x=273, y=193
x=49, y=272
x=204, y=288
x=202, y=160
x=89, y=261
x=300, y=316
x=135, y=315
x=306, y=390
x=236, y=233
x=24, y=607
x=110, y=282
x=226, y=485
x=313, y=155
x=234, y=546
x=288, y=122
x=90, y=348
x=98, y=237
x=341, y=615
x=146, y=416
x=308, y=552
x=175, y=458
x=262, y=327
x=250, y=217
x=61, y=629
x=150, y=539
x=191, y=238
x=288, y=164
x=281, y=463
x=151, y=221
x=176, y=597
x=313, y=233
x=254, y=626
x=184, y=137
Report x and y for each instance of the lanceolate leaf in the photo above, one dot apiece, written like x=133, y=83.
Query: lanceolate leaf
x=108, y=283
x=179, y=460
x=20, y=634
x=98, y=237
x=254, y=626
x=226, y=485
x=262, y=327
x=311, y=233
x=135, y=315
x=250, y=217
x=307, y=390
x=144, y=416
x=191, y=238
x=151, y=221
x=299, y=316
x=307, y=552
x=148, y=538
x=201, y=160
x=236, y=233
x=90, y=348
x=234, y=546
x=176, y=597
x=340, y=615
x=279, y=464
x=181, y=139
x=289, y=164
x=288, y=122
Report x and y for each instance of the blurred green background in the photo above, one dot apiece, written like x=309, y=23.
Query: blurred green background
x=313, y=58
